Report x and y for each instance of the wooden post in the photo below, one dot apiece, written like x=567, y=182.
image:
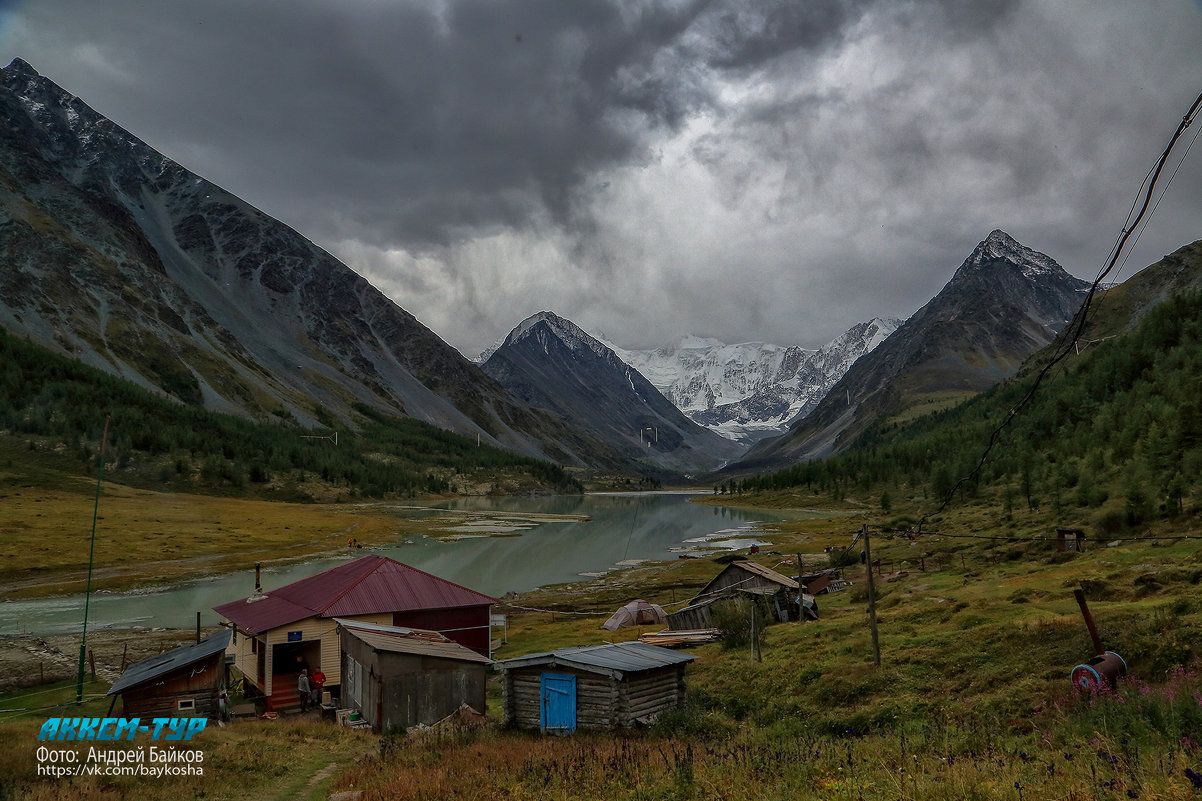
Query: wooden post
x=962, y=564
x=876, y=642
x=755, y=643
x=92, y=661
x=124, y=653
x=753, y=631
x=923, y=560
x=1093, y=630
x=801, y=614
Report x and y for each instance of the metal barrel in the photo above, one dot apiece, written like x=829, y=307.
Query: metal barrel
x=1103, y=669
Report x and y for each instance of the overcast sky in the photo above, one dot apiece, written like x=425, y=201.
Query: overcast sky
x=772, y=171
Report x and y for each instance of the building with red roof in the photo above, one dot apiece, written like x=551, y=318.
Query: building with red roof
x=278, y=633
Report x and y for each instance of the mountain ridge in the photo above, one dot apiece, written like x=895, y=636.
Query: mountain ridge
x=123, y=258
x=553, y=364
x=750, y=391
x=1003, y=303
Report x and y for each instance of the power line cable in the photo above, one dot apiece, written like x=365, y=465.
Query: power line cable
x=1077, y=325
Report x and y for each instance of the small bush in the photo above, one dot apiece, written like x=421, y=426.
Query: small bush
x=842, y=557
x=736, y=618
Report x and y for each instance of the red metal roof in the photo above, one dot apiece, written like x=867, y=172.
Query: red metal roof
x=368, y=585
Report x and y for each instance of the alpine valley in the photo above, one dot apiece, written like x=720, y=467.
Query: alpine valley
x=121, y=259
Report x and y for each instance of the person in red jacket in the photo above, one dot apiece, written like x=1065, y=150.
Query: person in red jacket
x=318, y=682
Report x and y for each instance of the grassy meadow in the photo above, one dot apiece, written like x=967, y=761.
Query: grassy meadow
x=972, y=699
x=145, y=536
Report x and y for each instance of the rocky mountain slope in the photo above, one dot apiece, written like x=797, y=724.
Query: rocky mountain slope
x=1120, y=307
x=118, y=256
x=552, y=364
x=1003, y=304
x=750, y=391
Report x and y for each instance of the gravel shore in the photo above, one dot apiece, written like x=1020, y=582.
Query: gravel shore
x=28, y=659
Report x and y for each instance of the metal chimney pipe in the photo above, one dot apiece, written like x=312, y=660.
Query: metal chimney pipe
x=258, y=586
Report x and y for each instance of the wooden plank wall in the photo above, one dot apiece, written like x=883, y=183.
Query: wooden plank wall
x=431, y=692
x=596, y=698
x=160, y=697
x=601, y=702
x=690, y=619
x=650, y=694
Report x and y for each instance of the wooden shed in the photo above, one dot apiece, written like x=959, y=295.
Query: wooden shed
x=1070, y=539
x=779, y=592
x=594, y=687
x=182, y=682
x=278, y=632
x=400, y=677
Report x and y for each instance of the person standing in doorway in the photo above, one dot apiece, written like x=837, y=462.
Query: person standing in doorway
x=318, y=682
x=303, y=689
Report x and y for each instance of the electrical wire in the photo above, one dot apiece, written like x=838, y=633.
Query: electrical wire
x=1009, y=538
x=1077, y=326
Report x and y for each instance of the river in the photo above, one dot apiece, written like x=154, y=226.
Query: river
x=496, y=545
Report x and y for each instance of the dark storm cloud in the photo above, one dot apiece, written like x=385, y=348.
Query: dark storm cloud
x=438, y=119
x=767, y=169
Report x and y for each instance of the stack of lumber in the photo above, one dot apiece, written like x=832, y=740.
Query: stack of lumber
x=680, y=639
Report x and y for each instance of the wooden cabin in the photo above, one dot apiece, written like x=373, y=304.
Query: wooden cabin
x=594, y=687
x=182, y=682
x=1070, y=540
x=779, y=595
x=277, y=633
x=399, y=677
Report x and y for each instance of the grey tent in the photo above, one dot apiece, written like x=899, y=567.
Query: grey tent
x=636, y=613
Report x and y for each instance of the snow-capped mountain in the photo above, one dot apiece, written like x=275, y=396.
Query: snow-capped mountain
x=1005, y=302
x=698, y=374
x=552, y=364
x=752, y=390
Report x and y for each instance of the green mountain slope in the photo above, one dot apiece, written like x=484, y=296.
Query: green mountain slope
x=49, y=403
x=1112, y=439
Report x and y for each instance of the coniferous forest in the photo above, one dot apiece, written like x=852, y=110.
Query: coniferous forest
x=1112, y=437
x=56, y=404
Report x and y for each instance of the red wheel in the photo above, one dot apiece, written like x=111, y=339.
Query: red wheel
x=1086, y=679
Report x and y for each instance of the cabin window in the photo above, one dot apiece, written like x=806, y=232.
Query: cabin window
x=254, y=645
x=186, y=704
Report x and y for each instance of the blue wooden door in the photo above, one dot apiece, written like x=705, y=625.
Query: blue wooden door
x=557, y=712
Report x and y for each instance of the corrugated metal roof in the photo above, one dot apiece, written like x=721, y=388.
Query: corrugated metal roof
x=615, y=658
x=168, y=661
x=420, y=642
x=368, y=585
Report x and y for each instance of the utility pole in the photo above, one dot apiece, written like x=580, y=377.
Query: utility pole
x=87, y=596
x=876, y=642
x=755, y=643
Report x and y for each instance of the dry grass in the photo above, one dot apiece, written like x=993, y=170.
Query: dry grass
x=145, y=536
x=253, y=759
